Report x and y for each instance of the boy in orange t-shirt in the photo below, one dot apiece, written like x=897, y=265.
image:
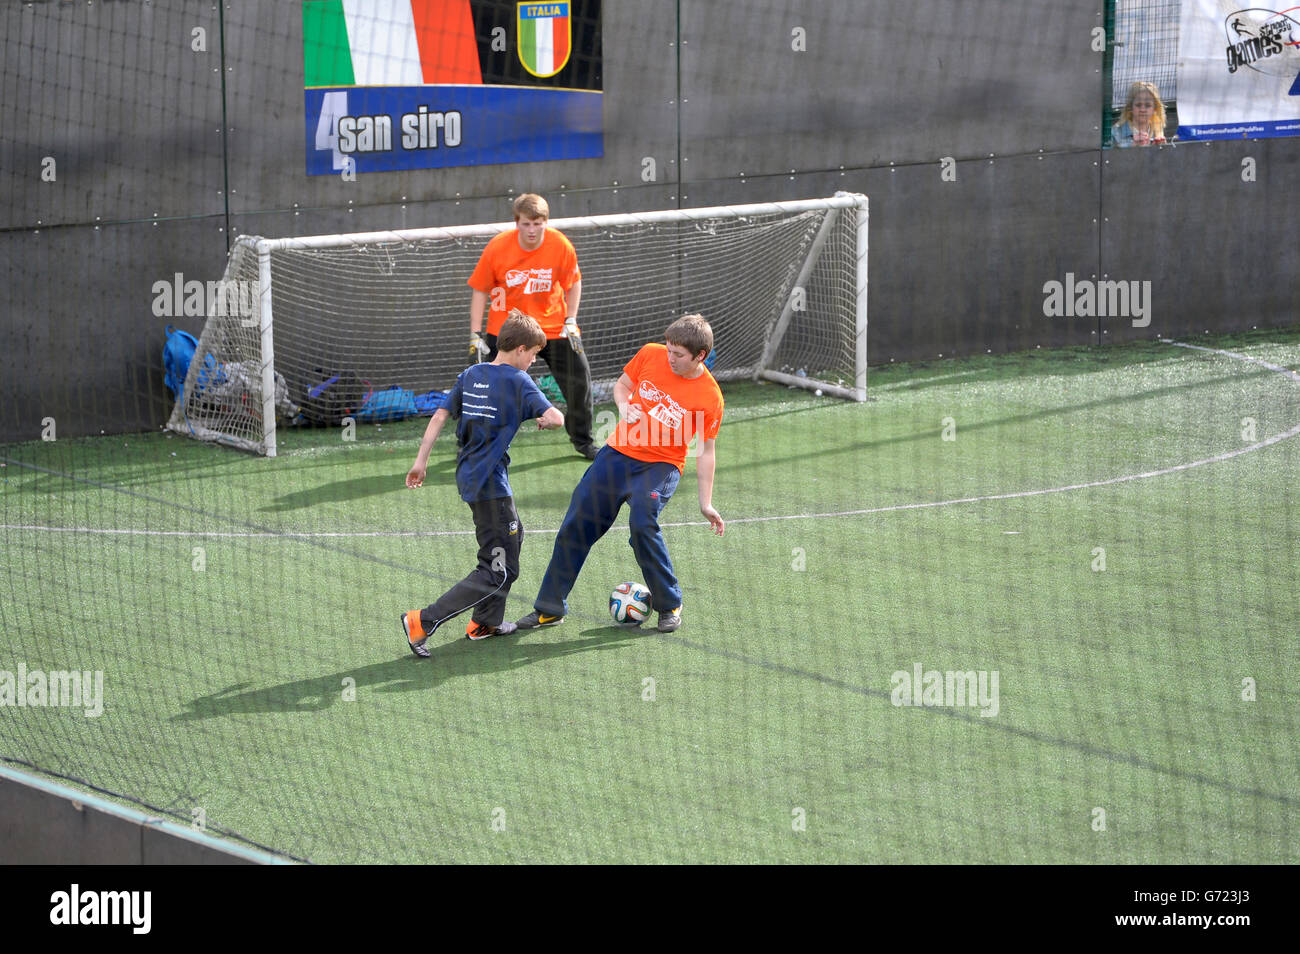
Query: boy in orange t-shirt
x=666, y=398
x=535, y=269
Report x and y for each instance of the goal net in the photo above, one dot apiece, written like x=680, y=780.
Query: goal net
x=783, y=284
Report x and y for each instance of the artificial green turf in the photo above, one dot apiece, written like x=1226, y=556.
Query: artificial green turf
x=253, y=595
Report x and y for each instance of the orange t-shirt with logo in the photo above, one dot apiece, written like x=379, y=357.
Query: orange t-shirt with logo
x=534, y=282
x=674, y=409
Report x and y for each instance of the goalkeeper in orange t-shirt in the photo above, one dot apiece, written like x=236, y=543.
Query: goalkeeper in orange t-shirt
x=666, y=398
x=535, y=269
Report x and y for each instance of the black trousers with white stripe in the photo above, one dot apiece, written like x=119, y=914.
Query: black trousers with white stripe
x=499, y=533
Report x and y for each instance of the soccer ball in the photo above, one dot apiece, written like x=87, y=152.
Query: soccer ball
x=629, y=603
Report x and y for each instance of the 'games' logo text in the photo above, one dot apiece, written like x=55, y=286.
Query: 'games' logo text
x=1255, y=36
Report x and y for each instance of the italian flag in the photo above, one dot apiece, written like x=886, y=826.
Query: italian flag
x=544, y=37
x=389, y=43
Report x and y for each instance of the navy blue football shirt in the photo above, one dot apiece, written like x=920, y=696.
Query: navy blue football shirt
x=489, y=402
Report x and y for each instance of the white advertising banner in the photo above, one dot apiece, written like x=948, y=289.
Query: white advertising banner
x=1238, y=70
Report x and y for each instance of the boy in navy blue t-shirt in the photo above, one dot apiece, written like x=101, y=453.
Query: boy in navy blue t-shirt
x=490, y=401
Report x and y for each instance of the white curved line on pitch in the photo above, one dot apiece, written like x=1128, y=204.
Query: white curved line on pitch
x=1227, y=455
x=893, y=508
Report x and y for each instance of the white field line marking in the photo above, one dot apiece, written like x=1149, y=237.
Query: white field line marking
x=248, y=534
x=913, y=382
x=866, y=511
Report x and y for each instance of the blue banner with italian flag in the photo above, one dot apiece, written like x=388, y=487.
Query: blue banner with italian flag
x=423, y=84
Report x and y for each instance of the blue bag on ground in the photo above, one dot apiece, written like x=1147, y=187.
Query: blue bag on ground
x=390, y=404
x=429, y=402
x=178, y=352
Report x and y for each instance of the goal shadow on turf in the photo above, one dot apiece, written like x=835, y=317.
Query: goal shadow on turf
x=456, y=658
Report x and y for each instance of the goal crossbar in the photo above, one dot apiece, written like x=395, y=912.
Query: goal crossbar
x=841, y=200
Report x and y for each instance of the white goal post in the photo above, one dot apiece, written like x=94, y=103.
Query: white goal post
x=783, y=284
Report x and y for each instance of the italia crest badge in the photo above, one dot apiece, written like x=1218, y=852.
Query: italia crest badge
x=544, y=37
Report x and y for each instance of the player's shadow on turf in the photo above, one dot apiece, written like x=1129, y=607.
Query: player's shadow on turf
x=354, y=488
x=449, y=660
x=345, y=491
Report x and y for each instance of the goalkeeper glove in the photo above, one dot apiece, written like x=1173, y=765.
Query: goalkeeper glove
x=478, y=348
x=571, y=332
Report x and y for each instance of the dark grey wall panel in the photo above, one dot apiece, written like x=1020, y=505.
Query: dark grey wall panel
x=638, y=197
x=959, y=267
x=772, y=188
x=82, y=344
x=368, y=218
x=267, y=147
x=40, y=828
x=115, y=94
x=448, y=212
x=1221, y=253
x=897, y=81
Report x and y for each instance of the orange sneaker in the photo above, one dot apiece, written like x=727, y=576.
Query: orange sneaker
x=477, y=631
x=416, y=637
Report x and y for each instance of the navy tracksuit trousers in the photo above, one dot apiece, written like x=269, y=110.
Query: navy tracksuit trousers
x=612, y=480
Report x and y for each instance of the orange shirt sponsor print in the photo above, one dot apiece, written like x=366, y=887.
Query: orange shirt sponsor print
x=674, y=411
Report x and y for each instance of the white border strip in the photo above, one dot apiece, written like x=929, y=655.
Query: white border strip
x=77, y=796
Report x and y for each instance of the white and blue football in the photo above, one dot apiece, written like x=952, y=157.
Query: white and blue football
x=629, y=603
